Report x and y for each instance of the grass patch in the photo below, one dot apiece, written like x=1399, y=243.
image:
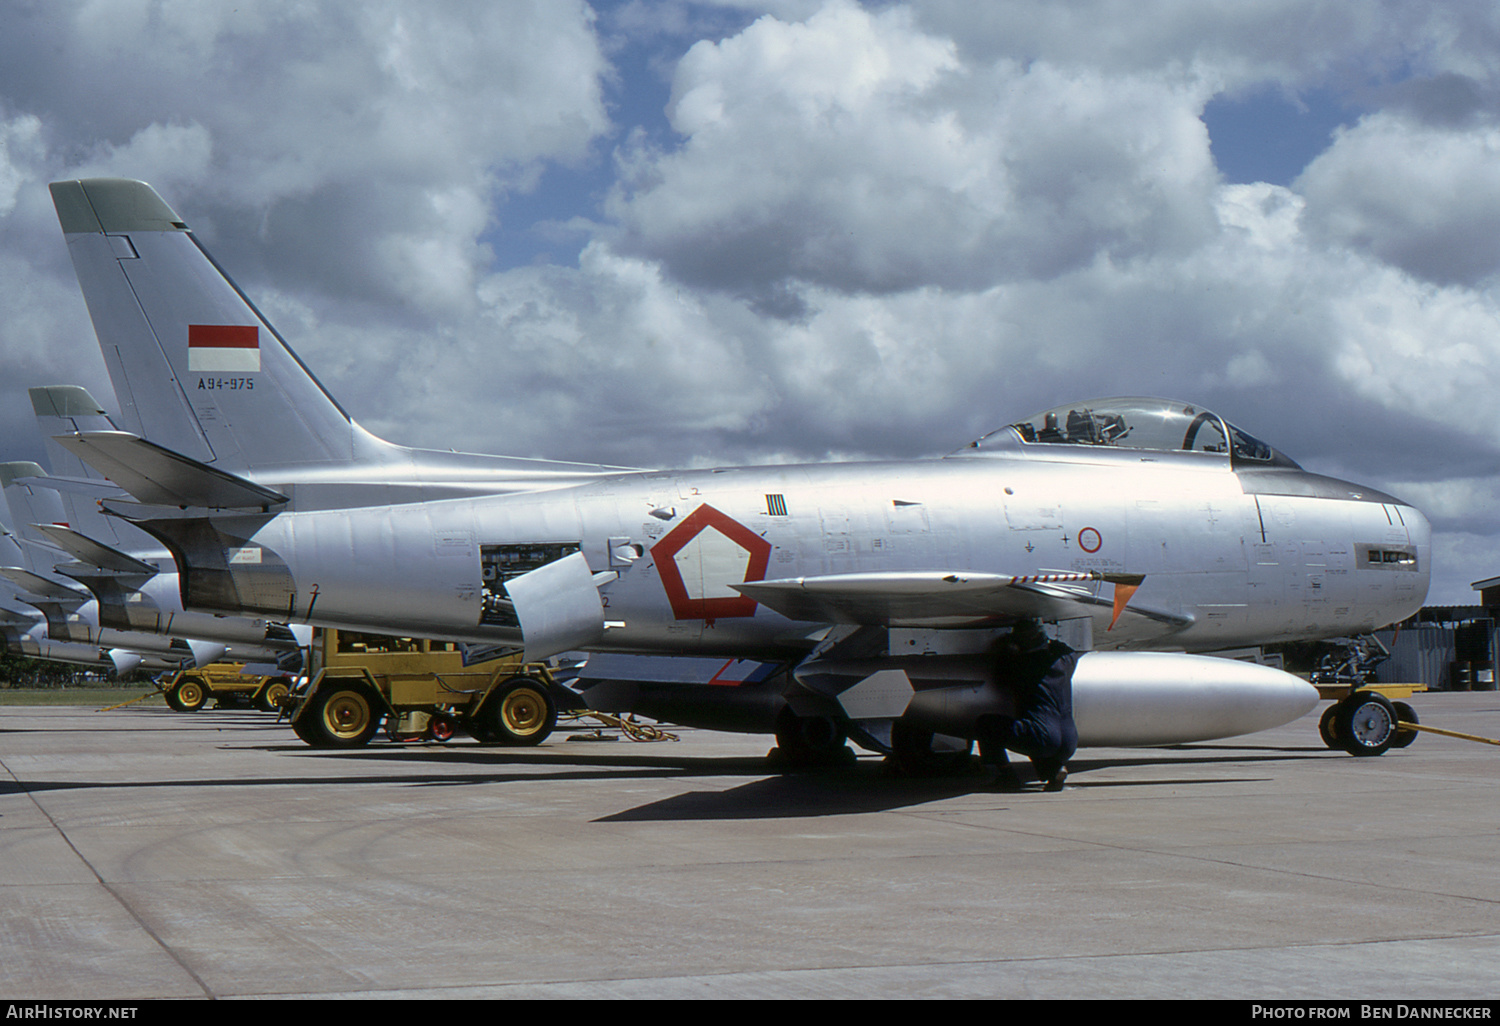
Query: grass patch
x=97, y=697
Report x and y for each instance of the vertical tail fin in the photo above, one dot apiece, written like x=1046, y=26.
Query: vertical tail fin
x=30, y=505
x=195, y=366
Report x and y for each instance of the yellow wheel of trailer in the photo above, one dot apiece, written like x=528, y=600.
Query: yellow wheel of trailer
x=523, y=711
x=340, y=717
x=271, y=696
x=346, y=714
x=188, y=695
x=520, y=712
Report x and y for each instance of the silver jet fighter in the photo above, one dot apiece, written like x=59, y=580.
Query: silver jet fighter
x=873, y=590
x=813, y=601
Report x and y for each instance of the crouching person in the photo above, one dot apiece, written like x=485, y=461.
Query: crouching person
x=1039, y=673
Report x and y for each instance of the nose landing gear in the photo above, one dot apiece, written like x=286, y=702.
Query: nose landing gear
x=1365, y=721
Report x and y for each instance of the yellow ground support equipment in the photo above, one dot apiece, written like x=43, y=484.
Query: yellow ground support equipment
x=225, y=685
x=422, y=690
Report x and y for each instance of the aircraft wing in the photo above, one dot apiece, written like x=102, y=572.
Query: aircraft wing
x=939, y=599
x=158, y=476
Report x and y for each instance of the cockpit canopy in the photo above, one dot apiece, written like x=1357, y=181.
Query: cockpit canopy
x=1159, y=425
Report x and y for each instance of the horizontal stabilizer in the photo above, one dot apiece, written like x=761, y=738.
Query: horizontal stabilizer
x=41, y=587
x=90, y=487
x=158, y=476
x=944, y=599
x=95, y=554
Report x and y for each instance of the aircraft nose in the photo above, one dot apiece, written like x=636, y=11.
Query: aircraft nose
x=1420, y=533
x=1417, y=525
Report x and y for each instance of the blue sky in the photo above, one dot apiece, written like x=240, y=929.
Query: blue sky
x=1268, y=136
x=667, y=232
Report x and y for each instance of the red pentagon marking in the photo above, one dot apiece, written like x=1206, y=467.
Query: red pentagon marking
x=706, y=598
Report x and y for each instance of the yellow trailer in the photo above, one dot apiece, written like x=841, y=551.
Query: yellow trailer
x=421, y=689
x=224, y=684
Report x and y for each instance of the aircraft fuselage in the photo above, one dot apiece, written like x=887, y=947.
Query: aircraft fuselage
x=1223, y=558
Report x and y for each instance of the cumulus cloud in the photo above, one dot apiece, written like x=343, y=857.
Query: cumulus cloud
x=1422, y=197
x=20, y=146
x=388, y=127
x=855, y=152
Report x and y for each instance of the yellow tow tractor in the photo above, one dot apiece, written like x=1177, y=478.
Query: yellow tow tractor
x=226, y=685
x=421, y=690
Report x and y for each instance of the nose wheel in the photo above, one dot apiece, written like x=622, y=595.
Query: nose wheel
x=1367, y=723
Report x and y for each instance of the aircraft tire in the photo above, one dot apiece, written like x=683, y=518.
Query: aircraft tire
x=1328, y=727
x=805, y=741
x=187, y=695
x=519, y=713
x=1366, y=723
x=1409, y=715
x=341, y=717
x=912, y=753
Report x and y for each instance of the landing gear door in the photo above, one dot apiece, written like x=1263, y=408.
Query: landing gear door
x=558, y=606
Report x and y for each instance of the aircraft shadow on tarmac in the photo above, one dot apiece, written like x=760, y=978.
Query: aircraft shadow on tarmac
x=866, y=785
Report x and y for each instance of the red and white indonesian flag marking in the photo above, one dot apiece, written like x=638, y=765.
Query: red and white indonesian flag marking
x=224, y=348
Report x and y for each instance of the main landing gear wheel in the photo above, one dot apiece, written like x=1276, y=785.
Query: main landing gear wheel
x=808, y=741
x=188, y=695
x=1365, y=723
x=519, y=712
x=914, y=753
x=340, y=717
